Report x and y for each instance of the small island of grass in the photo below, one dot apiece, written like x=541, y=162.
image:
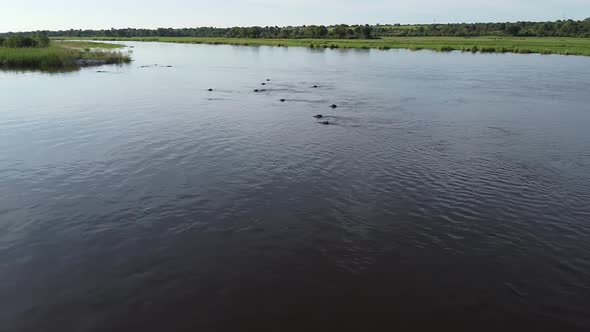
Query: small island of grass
x=41, y=53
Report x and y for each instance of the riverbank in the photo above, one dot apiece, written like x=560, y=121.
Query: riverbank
x=62, y=55
x=522, y=45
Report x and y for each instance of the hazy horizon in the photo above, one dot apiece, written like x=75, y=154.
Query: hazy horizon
x=30, y=15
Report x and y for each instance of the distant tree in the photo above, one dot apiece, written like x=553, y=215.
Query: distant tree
x=364, y=31
x=340, y=31
x=568, y=28
x=42, y=40
x=322, y=31
x=539, y=29
x=253, y=32
x=315, y=31
x=2, y=39
x=19, y=41
x=512, y=29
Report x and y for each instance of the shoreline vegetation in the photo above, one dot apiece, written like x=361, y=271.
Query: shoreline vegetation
x=561, y=28
x=49, y=50
x=519, y=45
x=40, y=53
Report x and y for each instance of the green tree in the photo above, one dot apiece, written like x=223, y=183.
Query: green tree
x=314, y=31
x=322, y=31
x=340, y=31
x=568, y=29
x=20, y=42
x=42, y=40
x=364, y=31
x=512, y=29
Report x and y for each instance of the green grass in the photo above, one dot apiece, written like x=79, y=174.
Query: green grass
x=566, y=46
x=59, y=56
x=77, y=44
x=37, y=58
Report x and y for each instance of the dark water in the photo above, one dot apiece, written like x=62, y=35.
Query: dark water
x=451, y=193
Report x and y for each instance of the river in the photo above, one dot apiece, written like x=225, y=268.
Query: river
x=450, y=191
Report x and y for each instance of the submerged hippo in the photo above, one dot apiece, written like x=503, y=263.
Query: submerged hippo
x=263, y=83
x=319, y=116
x=256, y=90
x=334, y=106
x=326, y=123
x=315, y=86
x=209, y=90
x=283, y=100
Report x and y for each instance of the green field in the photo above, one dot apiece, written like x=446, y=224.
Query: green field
x=566, y=46
x=59, y=55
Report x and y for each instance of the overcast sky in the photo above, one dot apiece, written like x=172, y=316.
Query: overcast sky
x=27, y=15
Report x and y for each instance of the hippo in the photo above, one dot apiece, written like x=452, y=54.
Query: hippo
x=268, y=79
x=256, y=90
x=319, y=116
x=209, y=90
x=283, y=100
x=315, y=86
x=263, y=83
x=325, y=123
x=334, y=106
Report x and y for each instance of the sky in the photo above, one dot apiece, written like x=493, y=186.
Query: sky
x=28, y=15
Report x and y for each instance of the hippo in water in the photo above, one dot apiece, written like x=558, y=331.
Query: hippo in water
x=263, y=83
x=334, y=106
x=315, y=86
x=325, y=123
x=283, y=100
x=256, y=90
x=319, y=116
x=268, y=79
x=209, y=90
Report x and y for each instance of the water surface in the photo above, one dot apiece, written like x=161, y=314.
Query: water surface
x=450, y=192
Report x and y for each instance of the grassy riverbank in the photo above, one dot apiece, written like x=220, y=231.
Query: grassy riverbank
x=544, y=45
x=60, y=55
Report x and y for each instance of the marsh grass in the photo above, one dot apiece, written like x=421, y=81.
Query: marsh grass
x=445, y=49
x=37, y=58
x=110, y=57
x=58, y=56
x=488, y=50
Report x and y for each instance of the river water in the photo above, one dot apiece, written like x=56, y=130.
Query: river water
x=450, y=192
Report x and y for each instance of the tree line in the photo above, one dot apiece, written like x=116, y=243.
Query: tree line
x=569, y=28
x=20, y=41
x=565, y=28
